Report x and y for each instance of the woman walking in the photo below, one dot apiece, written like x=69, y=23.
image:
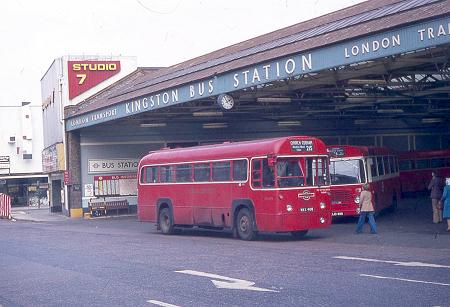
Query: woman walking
x=367, y=209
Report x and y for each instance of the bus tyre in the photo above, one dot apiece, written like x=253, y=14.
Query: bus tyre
x=299, y=234
x=394, y=205
x=166, y=221
x=244, y=225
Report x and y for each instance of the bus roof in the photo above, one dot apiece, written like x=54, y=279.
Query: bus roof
x=424, y=154
x=230, y=150
x=338, y=151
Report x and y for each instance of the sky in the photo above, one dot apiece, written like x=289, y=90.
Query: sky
x=158, y=32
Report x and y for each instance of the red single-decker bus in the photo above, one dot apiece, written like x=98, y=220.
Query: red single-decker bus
x=269, y=185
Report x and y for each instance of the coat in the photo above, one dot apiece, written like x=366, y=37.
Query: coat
x=446, y=201
x=365, y=201
x=435, y=186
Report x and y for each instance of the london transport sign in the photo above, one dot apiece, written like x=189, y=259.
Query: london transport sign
x=396, y=41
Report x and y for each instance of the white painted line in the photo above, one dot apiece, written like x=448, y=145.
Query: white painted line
x=411, y=264
x=408, y=280
x=229, y=283
x=159, y=303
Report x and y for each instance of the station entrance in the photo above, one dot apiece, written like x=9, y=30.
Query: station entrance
x=383, y=88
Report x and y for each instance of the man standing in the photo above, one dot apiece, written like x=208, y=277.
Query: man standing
x=435, y=186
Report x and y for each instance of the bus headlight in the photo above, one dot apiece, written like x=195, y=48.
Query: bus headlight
x=357, y=200
x=289, y=208
x=322, y=205
x=322, y=220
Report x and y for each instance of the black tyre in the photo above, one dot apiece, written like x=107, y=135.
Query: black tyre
x=394, y=205
x=166, y=221
x=299, y=234
x=244, y=225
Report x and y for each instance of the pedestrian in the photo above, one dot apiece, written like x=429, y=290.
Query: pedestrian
x=366, y=210
x=435, y=186
x=445, y=200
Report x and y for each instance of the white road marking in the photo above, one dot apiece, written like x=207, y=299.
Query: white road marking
x=227, y=282
x=159, y=303
x=411, y=264
x=408, y=280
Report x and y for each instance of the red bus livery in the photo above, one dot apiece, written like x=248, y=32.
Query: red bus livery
x=270, y=185
x=416, y=168
x=353, y=166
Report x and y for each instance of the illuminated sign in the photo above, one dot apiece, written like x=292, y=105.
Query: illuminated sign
x=84, y=75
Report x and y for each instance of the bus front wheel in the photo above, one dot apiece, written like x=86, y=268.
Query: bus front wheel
x=166, y=221
x=244, y=225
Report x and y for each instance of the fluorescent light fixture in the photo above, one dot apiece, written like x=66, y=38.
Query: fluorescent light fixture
x=207, y=113
x=367, y=81
x=362, y=121
x=431, y=120
x=152, y=125
x=385, y=111
x=285, y=123
x=274, y=99
x=215, y=125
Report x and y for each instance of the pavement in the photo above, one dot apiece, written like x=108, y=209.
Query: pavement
x=36, y=214
x=43, y=214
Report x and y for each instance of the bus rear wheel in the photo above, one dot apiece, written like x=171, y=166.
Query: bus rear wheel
x=244, y=225
x=299, y=234
x=166, y=221
x=394, y=205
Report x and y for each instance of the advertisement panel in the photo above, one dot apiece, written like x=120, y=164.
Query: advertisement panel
x=84, y=75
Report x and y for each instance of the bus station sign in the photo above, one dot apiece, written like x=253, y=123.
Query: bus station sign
x=396, y=41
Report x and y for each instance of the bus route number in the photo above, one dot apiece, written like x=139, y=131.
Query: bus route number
x=302, y=145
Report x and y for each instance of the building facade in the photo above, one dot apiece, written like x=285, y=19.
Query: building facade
x=68, y=81
x=21, y=137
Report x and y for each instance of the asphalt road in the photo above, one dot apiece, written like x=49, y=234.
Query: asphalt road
x=123, y=262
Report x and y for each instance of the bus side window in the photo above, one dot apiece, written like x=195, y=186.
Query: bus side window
x=165, y=173
x=143, y=172
x=391, y=164
x=184, y=173
x=422, y=163
x=202, y=172
x=257, y=173
x=387, y=168
x=373, y=167
x=240, y=170
x=221, y=171
x=151, y=174
x=268, y=175
x=380, y=166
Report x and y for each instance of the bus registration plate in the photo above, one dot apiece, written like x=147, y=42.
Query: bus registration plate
x=309, y=209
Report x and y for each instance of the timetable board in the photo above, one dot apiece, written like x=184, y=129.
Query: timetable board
x=115, y=185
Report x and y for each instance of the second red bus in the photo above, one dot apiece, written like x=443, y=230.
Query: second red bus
x=353, y=166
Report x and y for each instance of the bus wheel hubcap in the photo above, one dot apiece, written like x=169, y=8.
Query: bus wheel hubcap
x=244, y=224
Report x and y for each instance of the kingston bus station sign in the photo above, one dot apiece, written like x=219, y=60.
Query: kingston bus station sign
x=388, y=43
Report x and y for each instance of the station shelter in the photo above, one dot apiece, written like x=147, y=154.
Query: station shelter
x=376, y=73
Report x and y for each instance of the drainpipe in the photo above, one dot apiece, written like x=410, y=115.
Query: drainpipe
x=61, y=120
